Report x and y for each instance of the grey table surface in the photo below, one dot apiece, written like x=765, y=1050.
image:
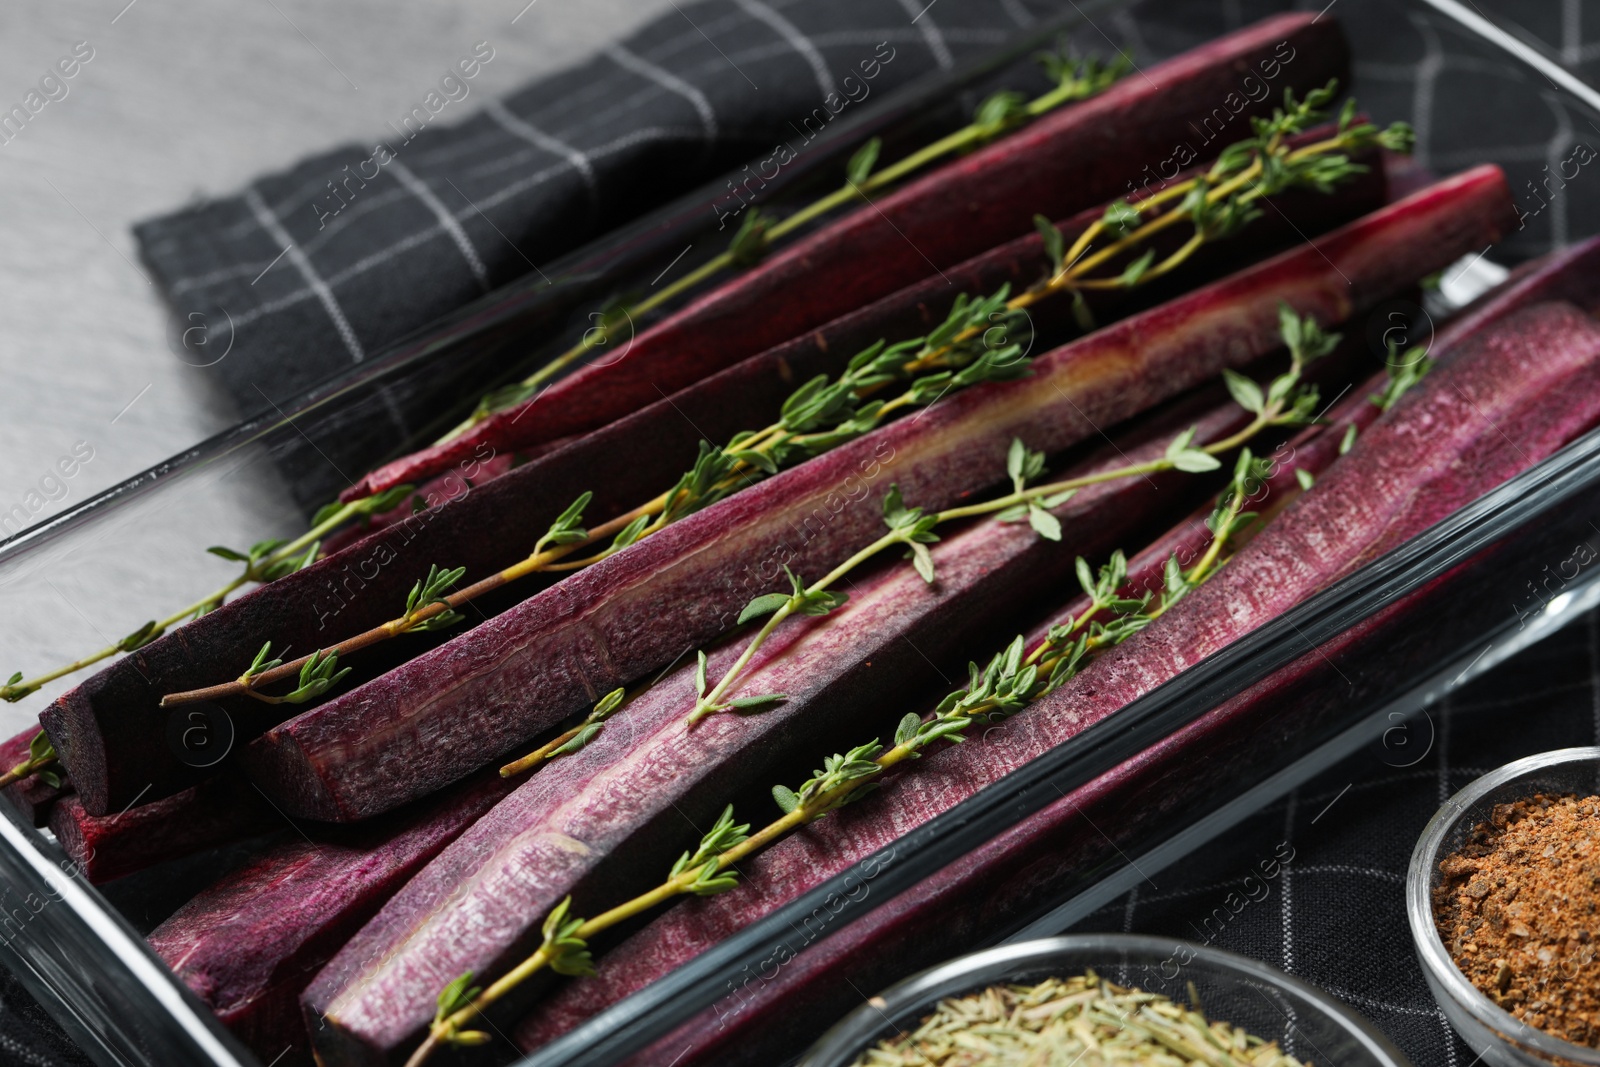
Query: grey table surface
x=181, y=99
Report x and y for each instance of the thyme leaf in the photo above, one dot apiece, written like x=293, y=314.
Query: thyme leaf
x=1054, y=244
x=765, y=604
x=141, y=637
x=320, y=673
x=575, y=739
x=861, y=163
x=263, y=662
x=1405, y=370
x=455, y=996
x=563, y=949
x=431, y=590
x=750, y=243
x=567, y=529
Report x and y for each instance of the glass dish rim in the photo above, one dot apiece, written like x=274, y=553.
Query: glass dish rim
x=1430, y=948
x=918, y=987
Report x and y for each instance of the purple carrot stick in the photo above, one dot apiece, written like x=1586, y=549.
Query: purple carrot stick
x=249, y=944
x=104, y=847
x=31, y=796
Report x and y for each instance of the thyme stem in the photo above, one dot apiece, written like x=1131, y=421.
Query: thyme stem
x=712, y=701
x=260, y=568
x=25, y=769
x=1277, y=405
x=41, y=760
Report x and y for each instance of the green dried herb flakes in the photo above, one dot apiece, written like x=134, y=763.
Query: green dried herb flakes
x=1084, y=1021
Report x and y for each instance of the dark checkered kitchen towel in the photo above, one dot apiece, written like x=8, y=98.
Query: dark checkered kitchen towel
x=466, y=203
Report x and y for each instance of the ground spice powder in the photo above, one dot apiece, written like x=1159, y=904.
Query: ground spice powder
x=1519, y=910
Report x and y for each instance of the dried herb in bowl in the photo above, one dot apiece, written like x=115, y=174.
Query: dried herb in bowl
x=1518, y=908
x=1084, y=1020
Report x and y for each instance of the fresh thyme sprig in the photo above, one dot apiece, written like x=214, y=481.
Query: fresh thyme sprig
x=573, y=740
x=430, y=606
x=264, y=561
x=428, y=610
x=1012, y=680
x=1406, y=368
x=565, y=948
x=427, y=592
x=1076, y=79
x=1284, y=402
x=319, y=672
x=1214, y=205
x=41, y=761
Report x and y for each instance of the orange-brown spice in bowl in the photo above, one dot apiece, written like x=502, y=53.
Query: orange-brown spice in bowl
x=1518, y=909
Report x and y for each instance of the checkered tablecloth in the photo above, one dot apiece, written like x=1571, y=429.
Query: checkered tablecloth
x=477, y=198
x=1335, y=914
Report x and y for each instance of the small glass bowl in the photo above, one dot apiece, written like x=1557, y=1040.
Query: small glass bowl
x=1505, y=1040
x=1308, y=1023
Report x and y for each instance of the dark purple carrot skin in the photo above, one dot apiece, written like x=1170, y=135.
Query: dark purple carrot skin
x=448, y=711
x=1081, y=155
x=216, y=812
x=32, y=797
x=1536, y=377
x=111, y=730
x=249, y=944
x=603, y=821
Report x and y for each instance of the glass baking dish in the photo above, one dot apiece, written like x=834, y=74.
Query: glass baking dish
x=87, y=963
